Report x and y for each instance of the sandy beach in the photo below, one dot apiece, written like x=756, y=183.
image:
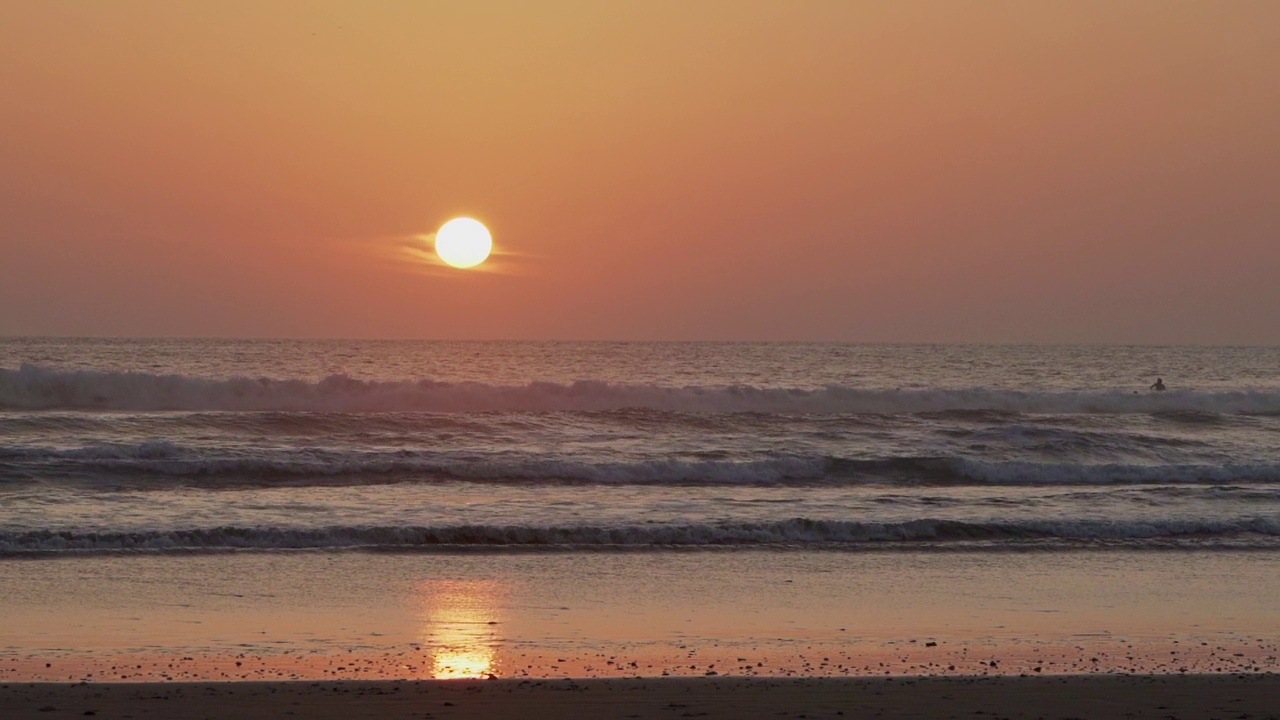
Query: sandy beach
x=1096, y=698
x=214, y=637
x=320, y=616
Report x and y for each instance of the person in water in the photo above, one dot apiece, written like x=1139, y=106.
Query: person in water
x=1159, y=385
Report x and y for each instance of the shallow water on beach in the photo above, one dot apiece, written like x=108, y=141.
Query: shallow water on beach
x=747, y=612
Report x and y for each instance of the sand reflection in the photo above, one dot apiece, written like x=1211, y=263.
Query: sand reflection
x=459, y=621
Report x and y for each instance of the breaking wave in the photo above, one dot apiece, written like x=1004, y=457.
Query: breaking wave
x=31, y=387
x=794, y=532
x=159, y=462
x=164, y=459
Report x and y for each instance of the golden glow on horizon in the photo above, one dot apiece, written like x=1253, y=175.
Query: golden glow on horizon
x=463, y=242
x=458, y=624
x=1002, y=172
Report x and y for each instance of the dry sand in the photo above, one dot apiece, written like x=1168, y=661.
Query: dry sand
x=1179, y=697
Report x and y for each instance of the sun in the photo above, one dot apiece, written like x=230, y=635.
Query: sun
x=463, y=242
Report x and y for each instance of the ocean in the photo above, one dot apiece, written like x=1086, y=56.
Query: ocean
x=177, y=446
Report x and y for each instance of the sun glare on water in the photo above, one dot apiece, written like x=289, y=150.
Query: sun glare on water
x=463, y=242
x=459, y=627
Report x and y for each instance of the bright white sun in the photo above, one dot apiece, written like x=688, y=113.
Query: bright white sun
x=463, y=242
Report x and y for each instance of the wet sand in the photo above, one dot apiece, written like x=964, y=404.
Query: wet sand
x=769, y=660
x=1182, y=697
x=361, y=616
x=737, y=635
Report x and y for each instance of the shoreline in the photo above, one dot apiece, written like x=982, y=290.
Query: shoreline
x=1097, y=697
x=760, y=614
x=945, y=658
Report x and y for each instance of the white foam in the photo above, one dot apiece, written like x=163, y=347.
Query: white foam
x=156, y=460
x=1049, y=474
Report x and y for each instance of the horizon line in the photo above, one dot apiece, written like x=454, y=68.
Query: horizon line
x=633, y=341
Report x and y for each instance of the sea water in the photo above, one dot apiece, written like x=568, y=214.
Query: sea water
x=217, y=446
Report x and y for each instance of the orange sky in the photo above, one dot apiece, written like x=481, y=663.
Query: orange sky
x=916, y=171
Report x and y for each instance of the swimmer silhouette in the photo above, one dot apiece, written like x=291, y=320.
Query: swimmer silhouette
x=1159, y=385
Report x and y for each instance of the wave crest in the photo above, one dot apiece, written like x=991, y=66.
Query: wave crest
x=796, y=531
x=31, y=387
x=160, y=462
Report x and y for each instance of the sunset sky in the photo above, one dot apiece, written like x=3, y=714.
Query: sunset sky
x=890, y=171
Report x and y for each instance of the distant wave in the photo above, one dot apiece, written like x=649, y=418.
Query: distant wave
x=158, y=462
x=977, y=472
x=797, y=531
x=32, y=387
x=165, y=459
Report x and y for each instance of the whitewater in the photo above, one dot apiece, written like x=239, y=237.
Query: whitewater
x=226, y=446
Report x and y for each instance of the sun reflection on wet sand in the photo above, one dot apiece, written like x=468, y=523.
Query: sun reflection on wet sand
x=458, y=626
